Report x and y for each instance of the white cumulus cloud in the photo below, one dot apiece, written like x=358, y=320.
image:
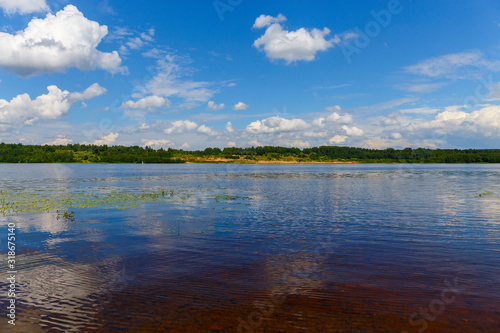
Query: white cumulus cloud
x=335, y=118
x=395, y=136
x=23, y=6
x=320, y=122
x=449, y=124
x=255, y=143
x=229, y=127
x=213, y=106
x=206, y=130
x=338, y=139
x=161, y=143
x=485, y=122
x=291, y=46
x=266, y=20
x=91, y=92
x=353, y=131
x=22, y=110
x=276, y=124
x=340, y=119
x=240, y=106
x=333, y=108
x=107, y=139
x=60, y=140
x=147, y=103
x=57, y=43
x=181, y=126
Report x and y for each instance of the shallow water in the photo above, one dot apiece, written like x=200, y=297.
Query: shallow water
x=265, y=248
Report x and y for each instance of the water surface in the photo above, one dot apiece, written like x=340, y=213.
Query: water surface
x=267, y=248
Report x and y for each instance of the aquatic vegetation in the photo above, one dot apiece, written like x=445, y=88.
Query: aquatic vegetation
x=225, y=197
x=171, y=230
x=212, y=231
x=177, y=231
x=486, y=194
x=15, y=201
x=66, y=215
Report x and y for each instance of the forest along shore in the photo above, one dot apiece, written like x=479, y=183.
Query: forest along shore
x=79, y=153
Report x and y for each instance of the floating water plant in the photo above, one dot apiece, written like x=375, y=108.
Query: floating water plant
x=15, y=201
x=226, y=197
x=485, y=194
x=69, y=216
x=171, y=230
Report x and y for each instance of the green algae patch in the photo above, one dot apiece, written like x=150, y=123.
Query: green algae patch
x=33, y=201
x=227, y=198
x=486, y=194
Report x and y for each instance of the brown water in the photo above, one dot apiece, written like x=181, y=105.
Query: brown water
x=300, y=248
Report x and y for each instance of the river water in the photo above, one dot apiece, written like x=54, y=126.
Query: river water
x=244, y=248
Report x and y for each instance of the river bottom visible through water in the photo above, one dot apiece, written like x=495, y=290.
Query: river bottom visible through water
x=251, y=248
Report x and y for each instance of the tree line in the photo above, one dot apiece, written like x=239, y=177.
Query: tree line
x=80, y=153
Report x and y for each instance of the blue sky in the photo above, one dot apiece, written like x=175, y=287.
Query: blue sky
x=197, y=74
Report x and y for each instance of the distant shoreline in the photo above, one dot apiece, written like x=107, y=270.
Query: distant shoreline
x=84, y=153
x=275, y=162
x=307, y=162
x=253, y=163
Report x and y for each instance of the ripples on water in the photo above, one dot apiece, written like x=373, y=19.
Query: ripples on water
x=306, y=248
